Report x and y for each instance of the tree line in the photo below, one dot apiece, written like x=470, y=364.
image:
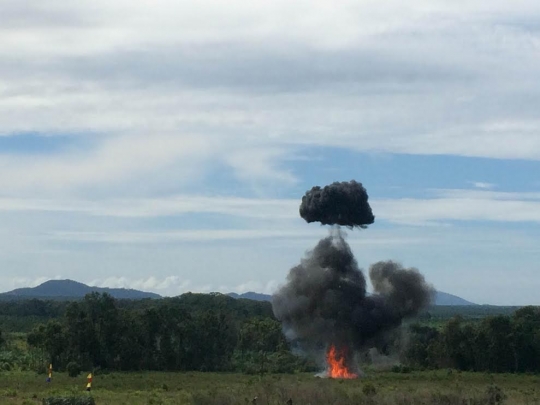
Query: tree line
x=214, y=332
x=209, y=332
x=497, y=344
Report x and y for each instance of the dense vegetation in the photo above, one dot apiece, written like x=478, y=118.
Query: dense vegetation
x=496, y=344
x=192, y=332
x=214, y=332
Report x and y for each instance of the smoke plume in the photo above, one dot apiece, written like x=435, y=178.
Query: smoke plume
x=324, y=301
x=344, y=203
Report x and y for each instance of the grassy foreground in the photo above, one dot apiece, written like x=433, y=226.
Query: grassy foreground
x=440, y=387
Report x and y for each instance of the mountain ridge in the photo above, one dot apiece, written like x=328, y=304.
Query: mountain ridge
x=70, y=289
x=441, y=298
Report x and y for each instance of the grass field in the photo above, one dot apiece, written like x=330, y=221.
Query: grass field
x=441, y=387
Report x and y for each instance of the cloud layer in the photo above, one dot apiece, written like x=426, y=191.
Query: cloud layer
x=168, y=87
x=171, y=138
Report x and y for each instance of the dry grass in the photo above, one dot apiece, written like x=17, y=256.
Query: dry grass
x=442, y=387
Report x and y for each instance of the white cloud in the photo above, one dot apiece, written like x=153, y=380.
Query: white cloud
x=164, y=99
x=116, y=160
x=194, y=84
x=251, y=286
x=168, y=286
x=456, y=259
x=11, y=283
x=461, y=205
x=275, y=209
x=483, y=185
x=257, y=164
x=444, y=205
x=485, y=194
x=176, y=236
x=174, y=285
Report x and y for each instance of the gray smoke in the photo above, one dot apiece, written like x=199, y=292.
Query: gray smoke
x=344, y=203
x=324, y=300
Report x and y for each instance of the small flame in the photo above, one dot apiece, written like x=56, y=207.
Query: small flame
x=336, y=364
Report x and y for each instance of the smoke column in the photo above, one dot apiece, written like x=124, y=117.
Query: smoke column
x=324, y=301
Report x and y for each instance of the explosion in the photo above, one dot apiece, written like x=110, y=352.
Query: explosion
x=324, y=302
x=336, y=364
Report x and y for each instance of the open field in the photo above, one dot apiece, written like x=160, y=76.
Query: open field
x=440, y=387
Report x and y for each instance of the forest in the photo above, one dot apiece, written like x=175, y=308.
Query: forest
x=214, y=332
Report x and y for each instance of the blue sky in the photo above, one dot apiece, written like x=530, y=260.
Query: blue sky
x=166, y=146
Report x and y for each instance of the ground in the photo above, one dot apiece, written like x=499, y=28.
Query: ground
x=441, y=387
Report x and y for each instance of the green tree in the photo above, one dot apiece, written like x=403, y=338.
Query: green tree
x=526, y=339
x=417, y=352
x=457, y=344
x=191, y=332
x=92, y=330
x=500, y=346
x=214, y=340
x=258, y=339
x=130, y=345
x=55, y=342
x=36, y=341
x=50, y=340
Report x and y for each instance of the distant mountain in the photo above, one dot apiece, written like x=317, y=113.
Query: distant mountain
x=441, y=298
x=66, y=289
x=252, y=296
x=69, y=289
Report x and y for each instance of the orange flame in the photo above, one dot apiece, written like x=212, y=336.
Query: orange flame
x=336, y=364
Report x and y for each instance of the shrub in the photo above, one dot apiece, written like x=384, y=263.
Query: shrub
x=495, y=395
x=39, y=369
x=84, y=400
x=101, y=371
x=399, y=368
x=369, y=389
x=155, y=400
x=73, y=369
x=9, y=392
x=448, y=399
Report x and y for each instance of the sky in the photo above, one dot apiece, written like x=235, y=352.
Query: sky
x=166, y=146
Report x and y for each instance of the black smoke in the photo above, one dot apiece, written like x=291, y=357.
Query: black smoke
x=324, y=300
x=344, y=203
